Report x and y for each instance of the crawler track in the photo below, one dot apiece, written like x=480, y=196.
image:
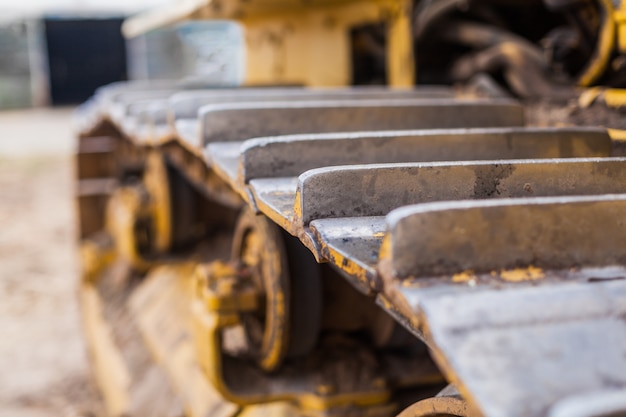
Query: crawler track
x=499, y=246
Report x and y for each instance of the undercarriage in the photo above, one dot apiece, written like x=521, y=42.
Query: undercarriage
x=452, y=248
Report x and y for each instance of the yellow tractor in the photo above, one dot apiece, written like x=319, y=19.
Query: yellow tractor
x=409, y=208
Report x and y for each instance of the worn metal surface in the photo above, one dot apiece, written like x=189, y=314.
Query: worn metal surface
x=188, y=133
x=185, y=105
x=610, y=402
x=482, y=236
x=285, y=156
x=152, y=123
x=352, y=245
x=292, y=155
x=275, y=198
x=448, y=403
x=129, y=102
x=519, y=351
x=375, y=190
x=236, y=122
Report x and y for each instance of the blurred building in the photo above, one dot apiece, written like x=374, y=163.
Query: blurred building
x=59, y=51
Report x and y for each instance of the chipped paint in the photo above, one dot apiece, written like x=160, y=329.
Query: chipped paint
x=522, y=274
x=465, y=276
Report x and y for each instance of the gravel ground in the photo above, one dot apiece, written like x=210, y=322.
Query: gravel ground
x=42, y=354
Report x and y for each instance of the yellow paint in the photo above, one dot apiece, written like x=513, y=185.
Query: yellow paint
x=123, y=209
x=620, y=20
x=297, y=207
x=110, y=371
x=293, y=42
x=279, y=218
x=465, y=276
x=522, y=274
x=615, y=97
x=216, y=284
x=589, y=96
x=94, y=258
x=241, y=301
x=604, y=46
x=277, y=409
x=385, y=251
x=161, y=309
x=617, y=134
x=312, y=402
x=274, y=351
x=350, y=267
x=400, y=59
x=207, y=334
x=156, y=182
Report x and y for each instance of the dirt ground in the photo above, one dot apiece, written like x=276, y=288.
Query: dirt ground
x=43, y=365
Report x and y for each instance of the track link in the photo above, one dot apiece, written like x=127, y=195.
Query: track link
x=501, y=247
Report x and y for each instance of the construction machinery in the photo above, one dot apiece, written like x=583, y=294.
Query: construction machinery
x=451, y=243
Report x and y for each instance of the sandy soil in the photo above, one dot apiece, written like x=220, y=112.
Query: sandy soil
x=43, y=362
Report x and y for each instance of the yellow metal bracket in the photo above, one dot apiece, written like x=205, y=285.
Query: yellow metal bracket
x=620, y=21
x=125, y=206
x=218, y=304
x=156, y=182
x=604, y=47
x=95, y=256
x=611, y=97
x=147, y=202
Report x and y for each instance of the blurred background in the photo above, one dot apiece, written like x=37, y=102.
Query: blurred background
x=53, y=55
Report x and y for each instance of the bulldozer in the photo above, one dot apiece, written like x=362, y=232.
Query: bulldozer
x=408, y=208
